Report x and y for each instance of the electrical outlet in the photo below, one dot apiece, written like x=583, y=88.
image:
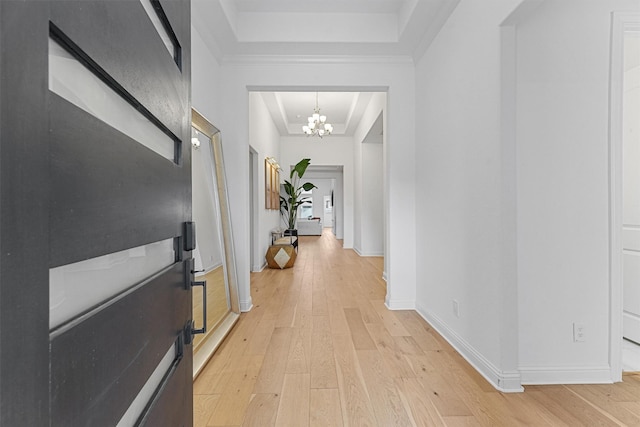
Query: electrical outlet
x=579, y=333
x=456, y=308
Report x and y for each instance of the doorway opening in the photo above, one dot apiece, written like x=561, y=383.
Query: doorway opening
x=625, y=194
x=277, y=116
x=631, y=201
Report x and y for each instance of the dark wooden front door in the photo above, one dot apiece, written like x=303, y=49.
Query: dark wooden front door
x=95, y=175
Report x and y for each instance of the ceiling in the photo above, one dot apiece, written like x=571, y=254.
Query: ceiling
x=289, y=110
x=306, y=28
x=389, y=30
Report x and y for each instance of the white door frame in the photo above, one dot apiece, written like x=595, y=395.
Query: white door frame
x=621, y=22
x=254, y=214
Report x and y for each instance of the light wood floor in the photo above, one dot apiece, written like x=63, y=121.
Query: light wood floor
x=320, y=349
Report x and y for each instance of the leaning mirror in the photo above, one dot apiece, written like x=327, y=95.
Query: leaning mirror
x=214, y=254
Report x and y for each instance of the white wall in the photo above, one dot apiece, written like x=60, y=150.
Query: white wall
x=264, y=139
x=563, y=179
x=205, y=79
x=245, y=74
x=556, y=217
x=330, y=151
x=370, y=183
x=371, y=220
x=459, y=191
x=357, y=196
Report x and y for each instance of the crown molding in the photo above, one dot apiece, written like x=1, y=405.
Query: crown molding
x=315, y=59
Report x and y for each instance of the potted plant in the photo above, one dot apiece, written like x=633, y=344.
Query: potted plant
x=293, y=190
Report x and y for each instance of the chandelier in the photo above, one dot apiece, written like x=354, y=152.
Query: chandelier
x=317, y=125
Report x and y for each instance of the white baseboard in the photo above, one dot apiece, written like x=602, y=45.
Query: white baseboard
x=398, y=304
x=246, y=305
x=505, y=381
x=258, y=269
x=384, y=276
x=366, y=254
x=376, y=254
x=565, y=375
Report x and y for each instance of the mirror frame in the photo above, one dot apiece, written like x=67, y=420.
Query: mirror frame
x=214, y=338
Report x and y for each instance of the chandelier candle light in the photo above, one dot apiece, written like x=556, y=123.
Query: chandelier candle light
x=317, y=124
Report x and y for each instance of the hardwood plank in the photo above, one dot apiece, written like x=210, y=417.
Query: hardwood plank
x=338, y=320
x=354, y=399
x=305, y=299
x=287, y=312
x=367, y=312
x=633, y=407
x=391, y=352
x=262, y=410
x=323, y=365
x=203, y=407
x=461, y=421
x=407, y=345
x=319, y=303
x=234, y=400
x=359, y=334
x=421, y=372
x=294, y=402
x=261, y=337
x=389, y=319
x=417, y=328
x=299, y=359
x=211, y=384
x=275, y=362
x=507, y=409
x=321, y=324
x=387, y=405
x=324, y=408
x=420, y=408
x=608, y=398
x=216, y=374
x=303, y=319
x=438, y=388
x=569, y=408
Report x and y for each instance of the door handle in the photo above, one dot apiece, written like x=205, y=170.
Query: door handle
x=202, y=330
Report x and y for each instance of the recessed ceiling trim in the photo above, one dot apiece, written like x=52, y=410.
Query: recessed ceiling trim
x=312, y=27
x=260, y=88
x=351, y=6
x=351, y=31
x=314, y=59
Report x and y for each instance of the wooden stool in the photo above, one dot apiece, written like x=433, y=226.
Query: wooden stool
x=281, y=256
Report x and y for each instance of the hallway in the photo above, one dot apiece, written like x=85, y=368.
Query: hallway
x=320, y=348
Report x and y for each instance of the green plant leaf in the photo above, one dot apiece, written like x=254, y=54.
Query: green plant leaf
x=307, y=186
x=289, y=204
x=288, y=188
x=300, y=168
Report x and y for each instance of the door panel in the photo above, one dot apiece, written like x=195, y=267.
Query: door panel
x=72, y=188
x=100, y=361
x=137, y=194
x=120, y=38
x=175, y=397
x=24, y=198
